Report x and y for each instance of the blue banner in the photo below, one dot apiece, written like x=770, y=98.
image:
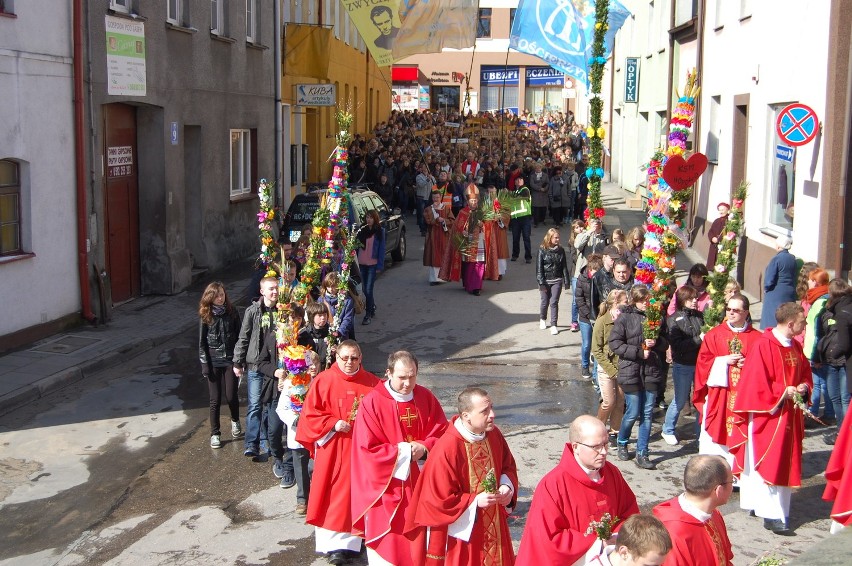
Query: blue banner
x=561, y=32
x=544, y=76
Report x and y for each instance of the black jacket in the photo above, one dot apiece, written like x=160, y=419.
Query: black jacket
x=267, y=364
x=216, y=340
x=583, y=296
x=314, y=338
x=841, y=312
x=250, y=341
x=602, y=283
x=553, y=264
x=684, y=334
x=635, y=373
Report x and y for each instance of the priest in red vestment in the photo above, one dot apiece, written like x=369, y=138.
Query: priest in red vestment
x=717, y=374
x=498, y=230
x=776, y=374
x=579, y=490
x=439, y=217
x=838, y=478
x=697, y=528
x=471, y=255
x=464, y=492
x=325, y=429
x=398, y=424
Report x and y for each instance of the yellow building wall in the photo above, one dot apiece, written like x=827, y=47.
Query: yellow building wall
x=358, y=80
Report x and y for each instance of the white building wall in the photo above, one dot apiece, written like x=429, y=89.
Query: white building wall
x=753, y=55
x=36, y=115
x=637, y=127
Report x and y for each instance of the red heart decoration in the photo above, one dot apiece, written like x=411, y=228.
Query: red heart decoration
x=680, y=173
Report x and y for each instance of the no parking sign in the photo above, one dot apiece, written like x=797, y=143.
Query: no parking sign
x=797, y=124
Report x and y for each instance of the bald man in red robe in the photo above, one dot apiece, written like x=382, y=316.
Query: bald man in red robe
x=398, y=423
x=697, y=529
x=325, y=429
x=579, y=490
x=464, y=493
x=775, y=373
x=717, y=374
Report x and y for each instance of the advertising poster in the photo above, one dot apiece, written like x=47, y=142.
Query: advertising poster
x=125, y=49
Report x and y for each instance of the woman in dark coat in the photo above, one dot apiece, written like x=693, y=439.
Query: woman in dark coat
x=684, y=334
x=779, y=282
x=553, y=273
x=641, y=373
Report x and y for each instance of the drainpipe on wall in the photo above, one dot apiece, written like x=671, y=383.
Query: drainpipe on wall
x=276, y=63
x=79, y=164
x=844, y=168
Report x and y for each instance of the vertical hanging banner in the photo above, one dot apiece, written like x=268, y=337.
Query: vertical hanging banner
x=631, y=79
x=395, y=29
x=125, y=52
x=561, y=32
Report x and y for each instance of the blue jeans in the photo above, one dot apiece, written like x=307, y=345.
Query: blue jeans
x=421, y=222
x=835, y=381
x=640, y=406
x=820, y=393
x=521, y=227
x=683, y=376
x=368, y=278
x=255, y=414
x=575, y=314
x=586, y=343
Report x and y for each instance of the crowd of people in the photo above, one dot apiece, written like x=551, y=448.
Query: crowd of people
x=426, y=490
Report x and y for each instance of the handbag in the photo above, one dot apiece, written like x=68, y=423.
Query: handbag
x=357, y=303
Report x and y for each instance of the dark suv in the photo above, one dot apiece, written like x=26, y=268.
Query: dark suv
x=304, y=206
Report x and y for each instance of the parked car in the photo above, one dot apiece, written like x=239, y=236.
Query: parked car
x=304, y=206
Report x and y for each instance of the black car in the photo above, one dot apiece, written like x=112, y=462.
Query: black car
x=304, y=206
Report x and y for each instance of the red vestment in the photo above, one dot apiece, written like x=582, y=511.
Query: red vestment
x=448, y=485
x=379, y=500
x=776, y=433
x=694, y=542
x=437, y=239
x=499, y=235
x=718, y=414
x=838, y=476
x=451, y=265
x=565, y=502
x=331, y=398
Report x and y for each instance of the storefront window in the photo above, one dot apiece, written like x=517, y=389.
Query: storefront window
x=544, y=90
x=782, y=159
x=445, y=98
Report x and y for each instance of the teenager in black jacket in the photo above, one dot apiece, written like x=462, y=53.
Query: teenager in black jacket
x=218, y=329
x=684, y=334
x=641, y=373
x=553, y=270
x=838, y=351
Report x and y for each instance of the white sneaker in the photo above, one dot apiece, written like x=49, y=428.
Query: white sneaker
x=236, y=429
x=670, y=439
x=554, y=330
x=215, y=442
x=542, y=324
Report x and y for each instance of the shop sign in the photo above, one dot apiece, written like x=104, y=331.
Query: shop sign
x=498, y=75
x=316, y=95
x=631, y=79
x=544, y=76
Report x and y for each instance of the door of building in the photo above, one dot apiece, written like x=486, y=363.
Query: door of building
x=121, y=201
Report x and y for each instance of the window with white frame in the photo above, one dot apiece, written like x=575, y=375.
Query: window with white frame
x=124, y=6
x=241, y=162
x=663, y=23
x=7, y=7
x=217, y=17
x=782, y=175
x=719, y=18
x=175, y=14
x=10, y=208
x=711, y=148
x=745, y=9
x=652, y=23
x=251, y=21
x=685, y=10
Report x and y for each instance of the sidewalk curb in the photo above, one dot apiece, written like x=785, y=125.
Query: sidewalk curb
x=61, y=379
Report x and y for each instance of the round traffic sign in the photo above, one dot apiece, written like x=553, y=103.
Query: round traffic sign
x=797, y=124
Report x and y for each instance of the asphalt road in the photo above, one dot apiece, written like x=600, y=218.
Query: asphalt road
x=117, y=469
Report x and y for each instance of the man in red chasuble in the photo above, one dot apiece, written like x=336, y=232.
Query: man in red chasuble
x=717, y=375
x=697, y=528
x=463, y=494
x=325, y=429
x=579, y=490
x=775, y=376
x=398, y=424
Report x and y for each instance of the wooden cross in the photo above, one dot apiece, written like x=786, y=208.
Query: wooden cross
x=791, y=359
x=408, y=417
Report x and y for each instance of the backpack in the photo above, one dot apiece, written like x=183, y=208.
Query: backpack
x=828, y=348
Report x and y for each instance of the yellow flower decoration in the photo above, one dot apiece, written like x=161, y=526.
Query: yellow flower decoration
x=271, y=214
x=598, y=25
x=675, y=204
x=590, y=131
x=601, y=132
